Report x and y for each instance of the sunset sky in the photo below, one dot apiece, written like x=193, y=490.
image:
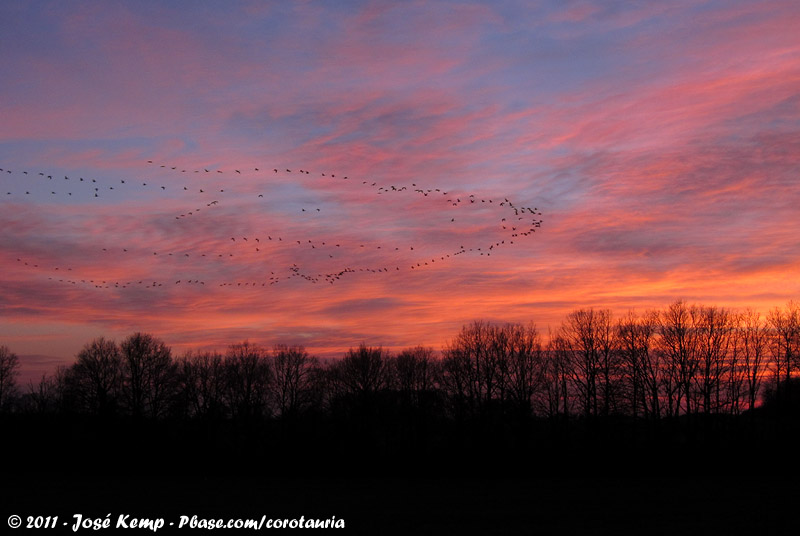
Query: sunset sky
x=660, y=141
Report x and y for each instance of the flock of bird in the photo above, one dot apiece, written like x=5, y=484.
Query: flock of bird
x=515, y=221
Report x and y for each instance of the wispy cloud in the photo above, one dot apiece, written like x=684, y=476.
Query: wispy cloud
x=660, y=141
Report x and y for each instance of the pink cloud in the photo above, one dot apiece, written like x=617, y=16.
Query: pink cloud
x=669, y=175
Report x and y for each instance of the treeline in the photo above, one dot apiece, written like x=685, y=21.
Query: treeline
x=653, y=388
x=681, y=360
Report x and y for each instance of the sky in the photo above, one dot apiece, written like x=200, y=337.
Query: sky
x=332, y=173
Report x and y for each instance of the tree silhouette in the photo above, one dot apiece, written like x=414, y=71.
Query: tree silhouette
x=9, y=365
x=46, y=395
x=204, y=384
x=753, y=340
x=524, y=366
x=785, y=345
x=714, y=328
x=362, y=372
x=95, y=380
x=556, y=378
x=415, y=373
x=588, y=334
x=640, y=368
x=678, y=342
x=640, y=389
x=474, y=364
x=458, y=382
x=248, y=379
x=295, y=375
x=149, y=375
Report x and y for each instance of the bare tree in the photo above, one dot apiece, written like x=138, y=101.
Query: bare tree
x=713, y=331
x=204, y=384
x=588, y=334
x=556, y=376
x=650, y=362
x=45, y=396
x=753, y=342
x=414, y=373
x=149, y=375
x=362, y=372
x=249, y=378
x=458, y=381
x=678, y=342
x=639, y=363
x=524, y=365
x=294, y=375
x=476, y=364
x=785, y=345
x=9, y=365
x=95, y=380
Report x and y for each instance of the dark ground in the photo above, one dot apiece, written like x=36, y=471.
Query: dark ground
x=737, y=479
x=426, y=505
